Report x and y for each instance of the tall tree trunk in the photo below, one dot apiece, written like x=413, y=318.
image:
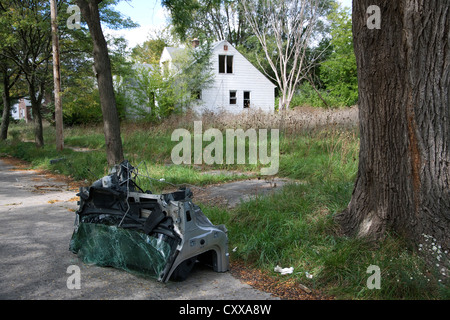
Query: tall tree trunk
x=57, y=78
x=404, y=88
x=6, y=108
x=102, y=66
x=36, y=103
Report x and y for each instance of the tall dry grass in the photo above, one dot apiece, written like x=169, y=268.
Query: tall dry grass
x=293, y=121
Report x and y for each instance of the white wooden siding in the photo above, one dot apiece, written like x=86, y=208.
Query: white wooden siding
x=245, y=77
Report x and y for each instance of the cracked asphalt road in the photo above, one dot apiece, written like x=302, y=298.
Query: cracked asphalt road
x=36, y=224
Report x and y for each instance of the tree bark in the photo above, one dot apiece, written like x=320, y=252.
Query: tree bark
x=57, y=78
x=102, y=66
x=6, y=108
x=10, y=75
x=36, y=103
x=404, y=88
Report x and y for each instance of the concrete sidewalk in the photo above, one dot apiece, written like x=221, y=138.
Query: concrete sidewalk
x=36, y=224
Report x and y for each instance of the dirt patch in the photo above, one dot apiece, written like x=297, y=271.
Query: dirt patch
x=44, y=176
x=282, y=287
x=16, y=163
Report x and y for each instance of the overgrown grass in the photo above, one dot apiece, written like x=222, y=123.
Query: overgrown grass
x=294, y=227
x=292, y=231
x=307, y=96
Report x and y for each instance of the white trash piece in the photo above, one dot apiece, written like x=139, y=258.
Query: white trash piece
x=283, y=271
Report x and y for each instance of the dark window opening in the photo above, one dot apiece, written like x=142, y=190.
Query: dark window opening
x=233, y=97
x=222, y=64
x=229, y=64
x=246, y=99
x=197, y=94
x=225, y=64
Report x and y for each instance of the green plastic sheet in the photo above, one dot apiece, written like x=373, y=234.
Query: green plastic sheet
x=125, y=249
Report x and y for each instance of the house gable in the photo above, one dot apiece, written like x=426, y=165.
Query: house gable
x=242, y=68
x=168, y=58
x=238, y=85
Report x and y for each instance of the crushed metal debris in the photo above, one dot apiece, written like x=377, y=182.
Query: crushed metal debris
x=158, y=235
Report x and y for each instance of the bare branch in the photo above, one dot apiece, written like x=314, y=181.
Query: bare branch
x=290, y=25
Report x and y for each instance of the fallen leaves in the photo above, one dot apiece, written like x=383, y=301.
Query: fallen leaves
x=284, y=288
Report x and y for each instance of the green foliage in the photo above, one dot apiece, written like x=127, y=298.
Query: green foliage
x=208, y=19
x=151, y=96
x=80, y=97
x=81, y=103
x=155, y=95
x=150, y=51
x=338, y=72
x=307, y=96
x=80, y=94
x=335, y=78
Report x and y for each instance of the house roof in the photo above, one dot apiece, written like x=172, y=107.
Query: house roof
x=174, y=51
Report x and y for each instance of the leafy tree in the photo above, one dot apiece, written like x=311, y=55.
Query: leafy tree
x=208, y=19
x=10, y=75
x=26, y=35
x=80, y=91
x=26, y=31
x=157, y=94
x=154, y=97
x=285, y=30
x=91, y=13
x=150, y=51
x=338, y=72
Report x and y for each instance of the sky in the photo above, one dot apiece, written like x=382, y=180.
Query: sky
x=150, y=16
x=147, y=13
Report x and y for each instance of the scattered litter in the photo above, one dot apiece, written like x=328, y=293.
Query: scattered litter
x=304, y=288
x=283, y=271
x=308, y=275
x=57, y=160
x=234, y=249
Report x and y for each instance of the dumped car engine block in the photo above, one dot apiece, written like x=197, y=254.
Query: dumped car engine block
x=158, y=235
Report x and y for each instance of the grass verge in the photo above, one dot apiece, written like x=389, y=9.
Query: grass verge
x=293, y=228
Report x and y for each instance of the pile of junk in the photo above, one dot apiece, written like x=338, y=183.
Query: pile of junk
x=161, y=236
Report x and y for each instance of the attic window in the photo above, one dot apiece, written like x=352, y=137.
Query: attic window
x=225, y=64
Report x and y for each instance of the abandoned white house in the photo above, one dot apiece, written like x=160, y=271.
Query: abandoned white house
x=21, y=110
x=237, y=85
